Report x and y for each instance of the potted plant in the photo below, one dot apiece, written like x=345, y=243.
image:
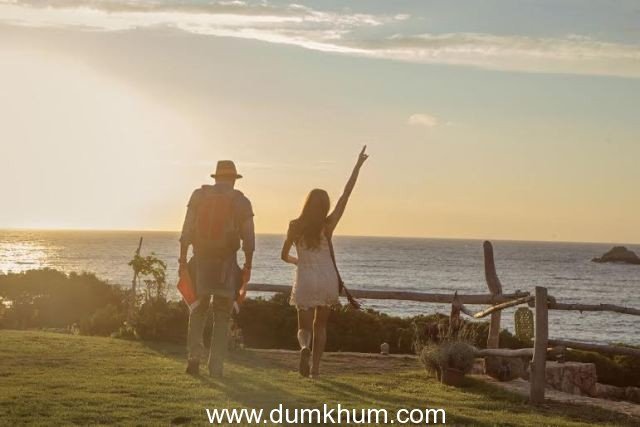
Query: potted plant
x=450, y=361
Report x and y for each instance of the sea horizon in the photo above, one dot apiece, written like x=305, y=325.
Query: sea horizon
x=337, y=234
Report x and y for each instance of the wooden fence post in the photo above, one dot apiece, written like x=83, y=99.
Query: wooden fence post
x=537, y=380
x=495, y=287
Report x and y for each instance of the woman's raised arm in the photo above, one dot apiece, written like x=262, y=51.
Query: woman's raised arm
x=334, y=217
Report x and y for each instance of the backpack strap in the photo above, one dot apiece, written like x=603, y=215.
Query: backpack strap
x=341, y=287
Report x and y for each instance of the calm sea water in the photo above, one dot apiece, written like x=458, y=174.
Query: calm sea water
x=431, y=265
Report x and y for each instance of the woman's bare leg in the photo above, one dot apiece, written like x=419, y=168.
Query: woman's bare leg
x=305, y=327
x=319, y=337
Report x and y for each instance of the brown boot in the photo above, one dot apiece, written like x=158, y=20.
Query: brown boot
x=193, y=367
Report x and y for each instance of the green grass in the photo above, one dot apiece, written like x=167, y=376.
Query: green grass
x=53, y=379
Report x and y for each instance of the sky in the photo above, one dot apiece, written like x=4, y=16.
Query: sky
x=486, y=119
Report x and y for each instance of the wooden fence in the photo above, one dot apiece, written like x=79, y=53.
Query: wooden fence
x=542, y=344
x=498, y=301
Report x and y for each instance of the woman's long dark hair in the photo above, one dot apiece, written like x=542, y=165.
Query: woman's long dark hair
x=307, y=228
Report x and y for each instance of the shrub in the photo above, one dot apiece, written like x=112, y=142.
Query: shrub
x=430, y=358
x=153, y=272
x=52, y=299
x=621, y=371
x=435, y=328
x=161, y=320
x=452, y=354
x=273, y=323
x=104, y=321
x=458, y=355
x=125, y=332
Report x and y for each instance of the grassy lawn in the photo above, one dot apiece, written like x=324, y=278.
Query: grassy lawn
x=48, y=378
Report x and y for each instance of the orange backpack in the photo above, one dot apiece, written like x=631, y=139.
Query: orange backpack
x=216, y=231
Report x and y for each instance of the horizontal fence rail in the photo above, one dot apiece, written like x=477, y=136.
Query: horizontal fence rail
x=595, y=307
x=478, y=299
x=600, y=348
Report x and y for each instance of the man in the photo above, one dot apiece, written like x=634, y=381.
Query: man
x=218, y=219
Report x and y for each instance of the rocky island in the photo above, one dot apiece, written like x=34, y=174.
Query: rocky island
x=619, y=254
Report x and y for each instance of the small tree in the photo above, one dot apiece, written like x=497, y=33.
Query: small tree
x=153, y=272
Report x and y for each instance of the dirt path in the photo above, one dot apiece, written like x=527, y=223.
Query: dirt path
x=368, y=362
x=360, y=363
x=521, y=387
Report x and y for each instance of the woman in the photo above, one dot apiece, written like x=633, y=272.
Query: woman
x=317, y=282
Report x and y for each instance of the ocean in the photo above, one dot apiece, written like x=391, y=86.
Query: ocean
x=429, y=265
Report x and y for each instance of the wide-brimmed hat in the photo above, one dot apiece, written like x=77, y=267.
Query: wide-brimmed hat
x=226, y=169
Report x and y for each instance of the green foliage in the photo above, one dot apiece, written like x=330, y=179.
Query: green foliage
x=52, y=299
x=273, y=323
x=435, y=328
x=162, y=320
x=365, y=330
x=104, y=321
x=457, y=355
x=153, y=272
x=442, y=347
x=268, y=324
x=125, y=332
x=430, y=358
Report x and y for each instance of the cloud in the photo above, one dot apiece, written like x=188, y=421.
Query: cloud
x=336, y=32
x=422, y=119
x=572, y=54
x=291, y=24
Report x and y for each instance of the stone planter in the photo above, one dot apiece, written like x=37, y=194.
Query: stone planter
x=611, y=392
x=572, y=377
x=452, y=377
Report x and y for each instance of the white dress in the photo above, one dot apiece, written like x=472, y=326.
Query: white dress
x=316, y=280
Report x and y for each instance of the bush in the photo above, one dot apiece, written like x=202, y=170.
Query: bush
x=458, y=355
x=452, y=354
x=435, y=328
x=161, y=320
x=621, y=371
x=104, y=321
x=268, y=323
x=430, y=358
x=273, y=324
x=52, y=299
